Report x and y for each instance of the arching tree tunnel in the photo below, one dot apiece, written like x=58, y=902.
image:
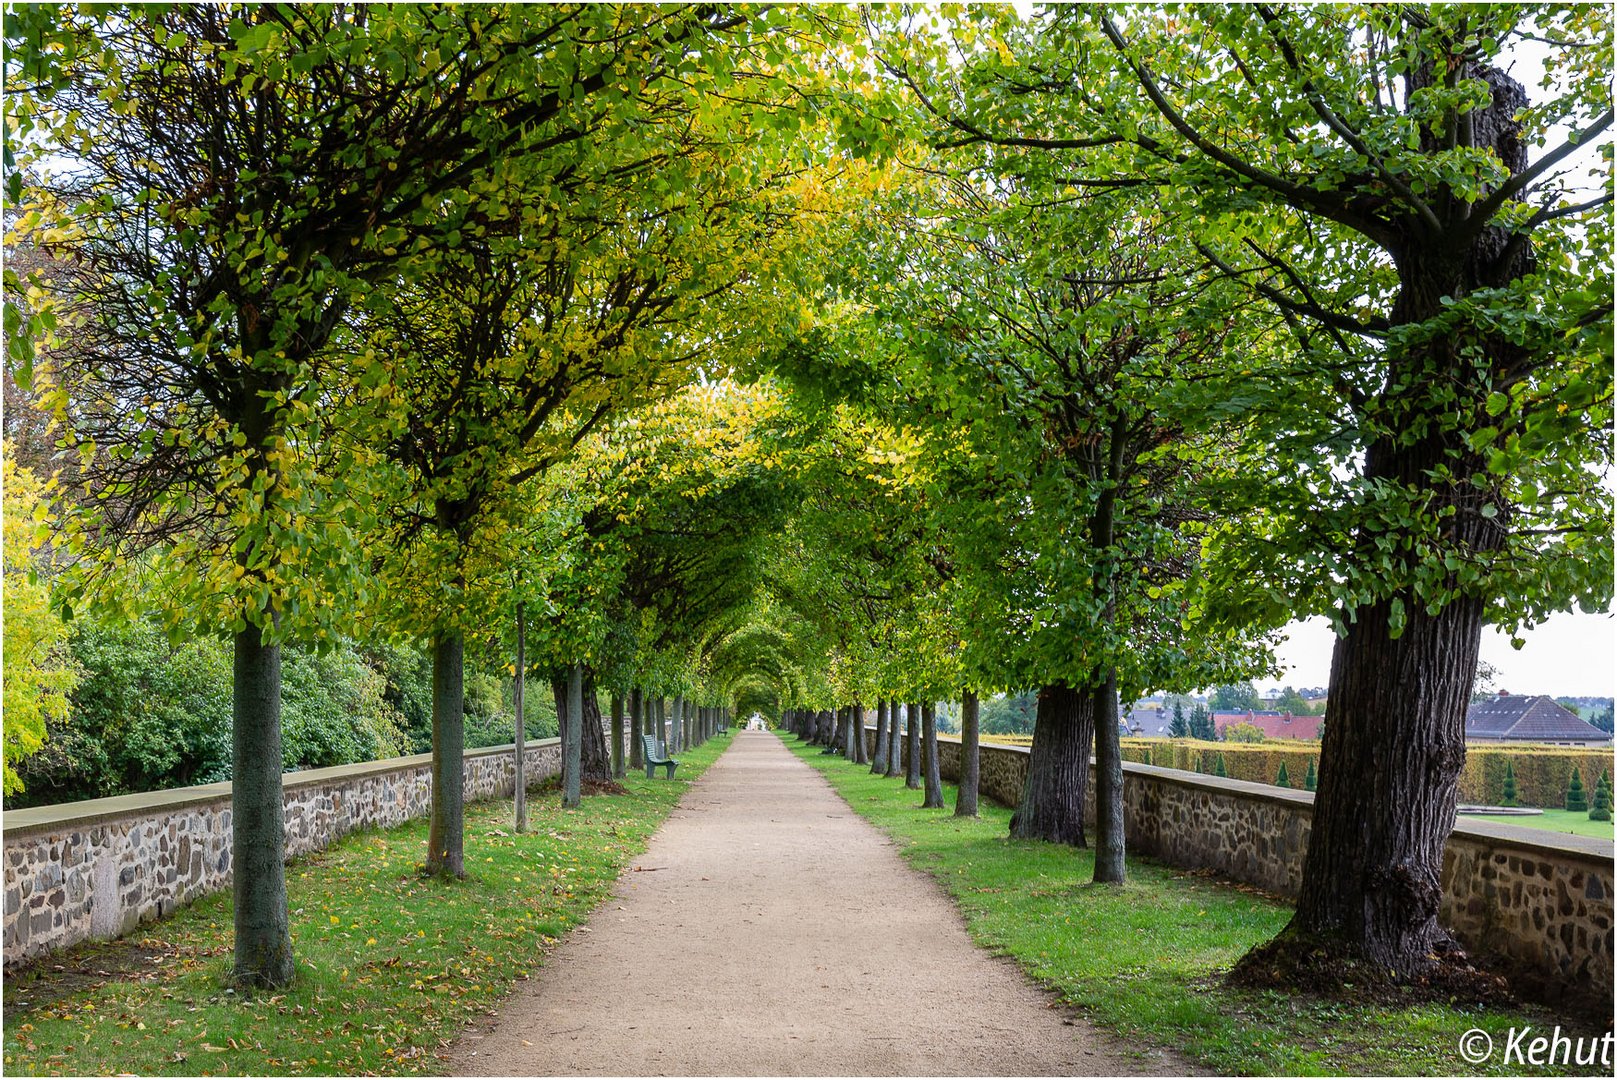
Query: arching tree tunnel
x=1001, y=351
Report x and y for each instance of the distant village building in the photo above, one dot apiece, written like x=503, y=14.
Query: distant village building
x=1274, y=725
x=1520, y=718
x=1147, y=722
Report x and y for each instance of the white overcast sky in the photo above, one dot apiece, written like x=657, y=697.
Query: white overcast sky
x=1569, y=654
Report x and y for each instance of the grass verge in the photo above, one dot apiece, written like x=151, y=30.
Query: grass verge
x=1144, y=960
x=1575, y=822
x=391, y=966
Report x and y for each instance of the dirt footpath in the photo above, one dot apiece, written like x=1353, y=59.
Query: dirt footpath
x=780, y=934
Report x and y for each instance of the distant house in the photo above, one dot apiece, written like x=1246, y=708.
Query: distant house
x=1519, y=718
x=1142, y=722
x=1274, y=725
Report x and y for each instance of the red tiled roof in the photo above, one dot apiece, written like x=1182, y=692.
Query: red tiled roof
x=1274, y=725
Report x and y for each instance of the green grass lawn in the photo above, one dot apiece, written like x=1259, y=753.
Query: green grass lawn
x=1561, y=821
x=1143, y=960
x=390, y=966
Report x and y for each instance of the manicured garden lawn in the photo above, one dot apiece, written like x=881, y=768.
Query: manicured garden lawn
x=1144, y=960
x=1562, y=821
x=390, y=966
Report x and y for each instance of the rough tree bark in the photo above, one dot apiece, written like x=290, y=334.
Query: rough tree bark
x=572, y=728
x=1058, y=768
x=831, y=730
x=637, y=728
x=965, y=804
x=519, y=785
x=446, y=833
x=861, y=751
x=596, y=758
x=878, y=760
x=895, y=748
x=257, y=823
x=617, y=737
x=1109, y=867
x=1375, y=852
x=912, y=747
x=929, y=757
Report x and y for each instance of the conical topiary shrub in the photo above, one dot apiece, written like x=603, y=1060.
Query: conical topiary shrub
x=1575, y=798
x=1219, y=768
x=1311, y=777
x=1509, y=797
x=1600, y=809
x=1282, y=778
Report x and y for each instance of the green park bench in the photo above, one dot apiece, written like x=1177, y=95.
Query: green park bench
x=656, y=756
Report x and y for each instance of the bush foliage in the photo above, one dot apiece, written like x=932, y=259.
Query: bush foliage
x=147, y=714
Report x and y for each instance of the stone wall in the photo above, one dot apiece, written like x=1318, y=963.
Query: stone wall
x=97, y=869
x=1538, y=902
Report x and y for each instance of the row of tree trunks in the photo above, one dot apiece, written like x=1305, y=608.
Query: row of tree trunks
x=830, y=728
x=844, y=733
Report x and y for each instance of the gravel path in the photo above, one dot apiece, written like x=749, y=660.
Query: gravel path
x=780, y=934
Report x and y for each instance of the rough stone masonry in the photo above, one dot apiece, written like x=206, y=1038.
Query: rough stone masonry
x=99, y=868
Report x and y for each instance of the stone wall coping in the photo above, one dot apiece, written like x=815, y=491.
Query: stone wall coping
x=1540, y=842
x=63, y=817
x=1564, y=846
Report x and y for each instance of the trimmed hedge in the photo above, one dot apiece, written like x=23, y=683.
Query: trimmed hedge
x=1542, y=772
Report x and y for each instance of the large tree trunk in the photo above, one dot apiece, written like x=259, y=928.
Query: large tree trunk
x=965, y=804
x=676, y=729
x=572, y=728
x=1394, y=741
x=1388, y=774
x=1109, y=867
x=878, y=760
x=595, y=760
x=1058, y=768
x=446, y=833
x=929, y=757
x=257, y=817
x=861, y=751
x=519, y=795
x=895, y=748
x=912, y=747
